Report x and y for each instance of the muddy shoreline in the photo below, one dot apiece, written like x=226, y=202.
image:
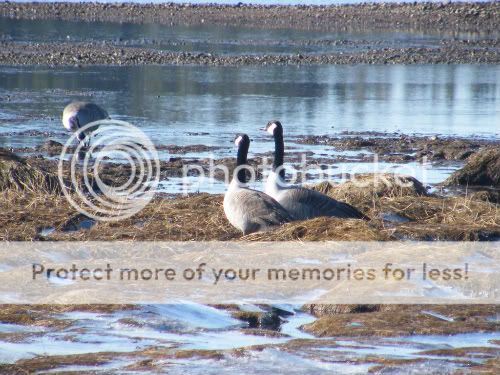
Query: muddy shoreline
x=469, y=32
x=454, y=17
x=80, y=54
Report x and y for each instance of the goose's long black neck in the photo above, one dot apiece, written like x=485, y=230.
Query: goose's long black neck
x=241, y=159
x=279, y=152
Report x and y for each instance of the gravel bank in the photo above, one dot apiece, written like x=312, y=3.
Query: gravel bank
x=53, y=54
x=457, y=17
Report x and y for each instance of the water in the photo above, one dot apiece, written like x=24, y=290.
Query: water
x=215, y=39
x=169, y=102
x=131, y=336
x=186, y=105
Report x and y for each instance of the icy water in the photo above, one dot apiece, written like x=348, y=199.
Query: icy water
x=132, y=335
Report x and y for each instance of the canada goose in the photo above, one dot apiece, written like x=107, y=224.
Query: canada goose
x=246, y=209
x=300, y=202
x=78, y=114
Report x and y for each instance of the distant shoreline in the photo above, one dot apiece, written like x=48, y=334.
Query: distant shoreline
x=428, y=17
x=456, y=20
x=92, y=53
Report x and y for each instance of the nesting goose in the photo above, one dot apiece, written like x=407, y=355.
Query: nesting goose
x=78, y=114
x=246, y=209
x=300, y=202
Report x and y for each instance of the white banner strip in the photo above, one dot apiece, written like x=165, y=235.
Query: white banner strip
x=237, y=272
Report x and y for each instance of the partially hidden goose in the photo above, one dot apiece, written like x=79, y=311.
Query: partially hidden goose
x=246, y=209
x=78, y=114
x=300, y=202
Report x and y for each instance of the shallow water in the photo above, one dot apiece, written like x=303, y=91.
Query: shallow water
x=197, y=327
x=172, y=102
x=215, y=39
x=186, y=105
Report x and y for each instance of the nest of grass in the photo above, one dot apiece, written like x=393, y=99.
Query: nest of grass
x=324, y=229
x=17, y=174
x=364, y=190
x=196, y=218
x=200, y=217
x=481, y=169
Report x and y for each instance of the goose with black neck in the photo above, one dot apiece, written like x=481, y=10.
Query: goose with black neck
x=247, y=209
x=301, y=203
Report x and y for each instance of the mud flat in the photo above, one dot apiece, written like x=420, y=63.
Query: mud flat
x=64, y=54
x=469, y=34
x=454, y=17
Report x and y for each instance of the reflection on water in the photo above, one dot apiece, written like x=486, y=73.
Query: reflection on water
x=170, y=102
x=186, y=105
x=215, y=39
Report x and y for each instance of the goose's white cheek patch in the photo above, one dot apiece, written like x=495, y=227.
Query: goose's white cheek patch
x=271, y=128
x=238, y=140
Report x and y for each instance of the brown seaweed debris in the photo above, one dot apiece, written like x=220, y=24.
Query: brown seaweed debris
x=402, y=148
x=322, y=229
x=481, y=169
x=44, y=315
x=402, y=320
x=319, y=310
x=47, y=363
x=201, y=217
x=364, y=189
x=17, y=174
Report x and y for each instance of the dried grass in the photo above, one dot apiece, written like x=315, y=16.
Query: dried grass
x=200, y=217
x=482, y=169
x=17, y=174
x=401, y=320
x=196, y=218
x=364, y=190
x=24, y=213
x=324, y=229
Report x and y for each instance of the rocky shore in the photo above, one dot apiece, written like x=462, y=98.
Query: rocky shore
x=469, y=33
x=450, y=17
x=57, y=54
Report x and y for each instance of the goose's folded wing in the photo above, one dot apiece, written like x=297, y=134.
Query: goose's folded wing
x=262, y=208
x=315, y=204
x=92, y=112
